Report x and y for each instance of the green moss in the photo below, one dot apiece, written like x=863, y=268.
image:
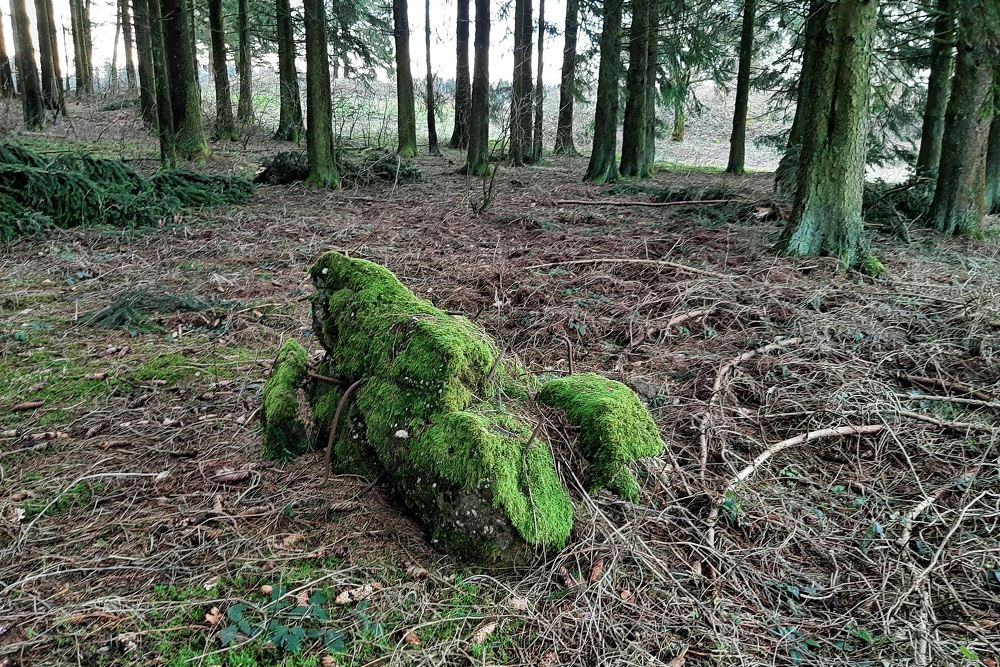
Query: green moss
x=169, y=368
x=615, y=428
x=285, y=433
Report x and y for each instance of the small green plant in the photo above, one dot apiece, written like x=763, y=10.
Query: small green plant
x=285, y=623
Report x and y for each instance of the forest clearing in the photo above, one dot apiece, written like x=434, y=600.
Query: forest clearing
x=670, y=427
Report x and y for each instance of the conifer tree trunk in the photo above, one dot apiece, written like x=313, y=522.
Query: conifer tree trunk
x=432, y=136
x=225, y=128
x=478, y=161
x=406, y=115
x=536, y=135
x=652, y=70
x=88, y=44
x=144, y=48
x=603, y=165
x=826, y=218
x=319, y=116
x=80, y=22
x=786, y=175
x=738, y=138
x=244, y=110
x=567, y=84
x=113, y=67
x=54, y=50
x=519, y=146
x=634, y=126
x=938, y=89
x=130, y=75
x=959, y=197
x=463, y=83
x=993, y=158
x=290, y=126
x=27, y=71
x=161, y=78
x=46, y=57
x=680, y=109
x=185, y=97
x=6, y=74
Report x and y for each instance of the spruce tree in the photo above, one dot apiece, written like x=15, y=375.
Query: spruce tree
x=603, y=166
x=993, y=156
x=567, y=83
x=32, y=104
x=519, y=145
x=319, y=116
x=652, y=70
x=244, y=108
x=144, y=49
x=826, y=218
x=290, y=126
x=51, y=85
x=942, y=66
x=738, y=138
x=406, y=114
x=225, y=128
x=161, y=77
x=478, y=160
x=959, y=196
x=126, y=14
x=463, y=82
x=6, y=74
x=634, y=130
x=185, y=97
x=432, y=136
x=539, y=97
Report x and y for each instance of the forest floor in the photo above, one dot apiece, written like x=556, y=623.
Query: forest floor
x=138, y=523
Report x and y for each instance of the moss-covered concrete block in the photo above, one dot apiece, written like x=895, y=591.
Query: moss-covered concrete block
x=615, y=428
x=286, y=431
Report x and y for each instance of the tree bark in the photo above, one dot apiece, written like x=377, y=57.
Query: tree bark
x=6, y=73
x=938, y=89
x=161, y=78
x=536, y=135
x=244, y=110
x=738, y=138
x=959, y=197
x=185, y=97
x=80, y=23
x=519, y=146
x=680, y=109
x=27, y=71
x=432, y=136
x=603, y=165
x=51, y=85
x=290, y=126
x=319, y=116
x=993, y=159
x=463, y=83
x=113, y=73
x=826, y=218
x=567, y=84
x=478, y=160
x=406, y=115
x=225, y=128
x=634, y=126
x=130, y=73
x=652, y=70
x=144, y=49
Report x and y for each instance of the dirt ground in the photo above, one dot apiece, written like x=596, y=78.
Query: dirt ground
x=139, y=525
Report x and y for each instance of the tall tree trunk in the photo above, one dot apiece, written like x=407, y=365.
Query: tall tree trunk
x=88, y=44
x=738, y=138
x=27, y=71
x=959, y=198
x=603, y=165
x=126, y=13
x=826, y=219
x=113, y=73
x=432, y=135
x=478, y=161
x=193, y=39
x=319, y=116
x=536, y=135
x=786, y=175
x=634, y=126
x=519, y=147
x=185, y=97
x=144, y=51
x=161, y=77
x=680, y=109
x=6, y=74
x=567, y=84
x=244, y=109
x=938, y=89
x=56, y=67
x=225, y=128
x=46, y=57
x=80, y=21
x=406, y=115
x=290, y=125
x=652, y=70
x=463, y=84
x=993, y=159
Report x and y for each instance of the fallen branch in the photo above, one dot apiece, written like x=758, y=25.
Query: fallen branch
x=613, y=202
x=673, y=322
x=922, y=506
x=959, y=427
x=945, y=384
x=954, y=399
x=654, y=262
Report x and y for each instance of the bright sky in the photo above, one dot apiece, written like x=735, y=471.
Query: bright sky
x=443, y=18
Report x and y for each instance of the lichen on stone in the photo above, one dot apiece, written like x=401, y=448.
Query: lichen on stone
x=615, y=428
x=286, y=433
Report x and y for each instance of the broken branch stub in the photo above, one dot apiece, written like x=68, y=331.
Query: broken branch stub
x=443, y=417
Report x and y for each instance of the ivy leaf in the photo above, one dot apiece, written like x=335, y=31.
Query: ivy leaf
x=235, y=613
x=228, y=635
